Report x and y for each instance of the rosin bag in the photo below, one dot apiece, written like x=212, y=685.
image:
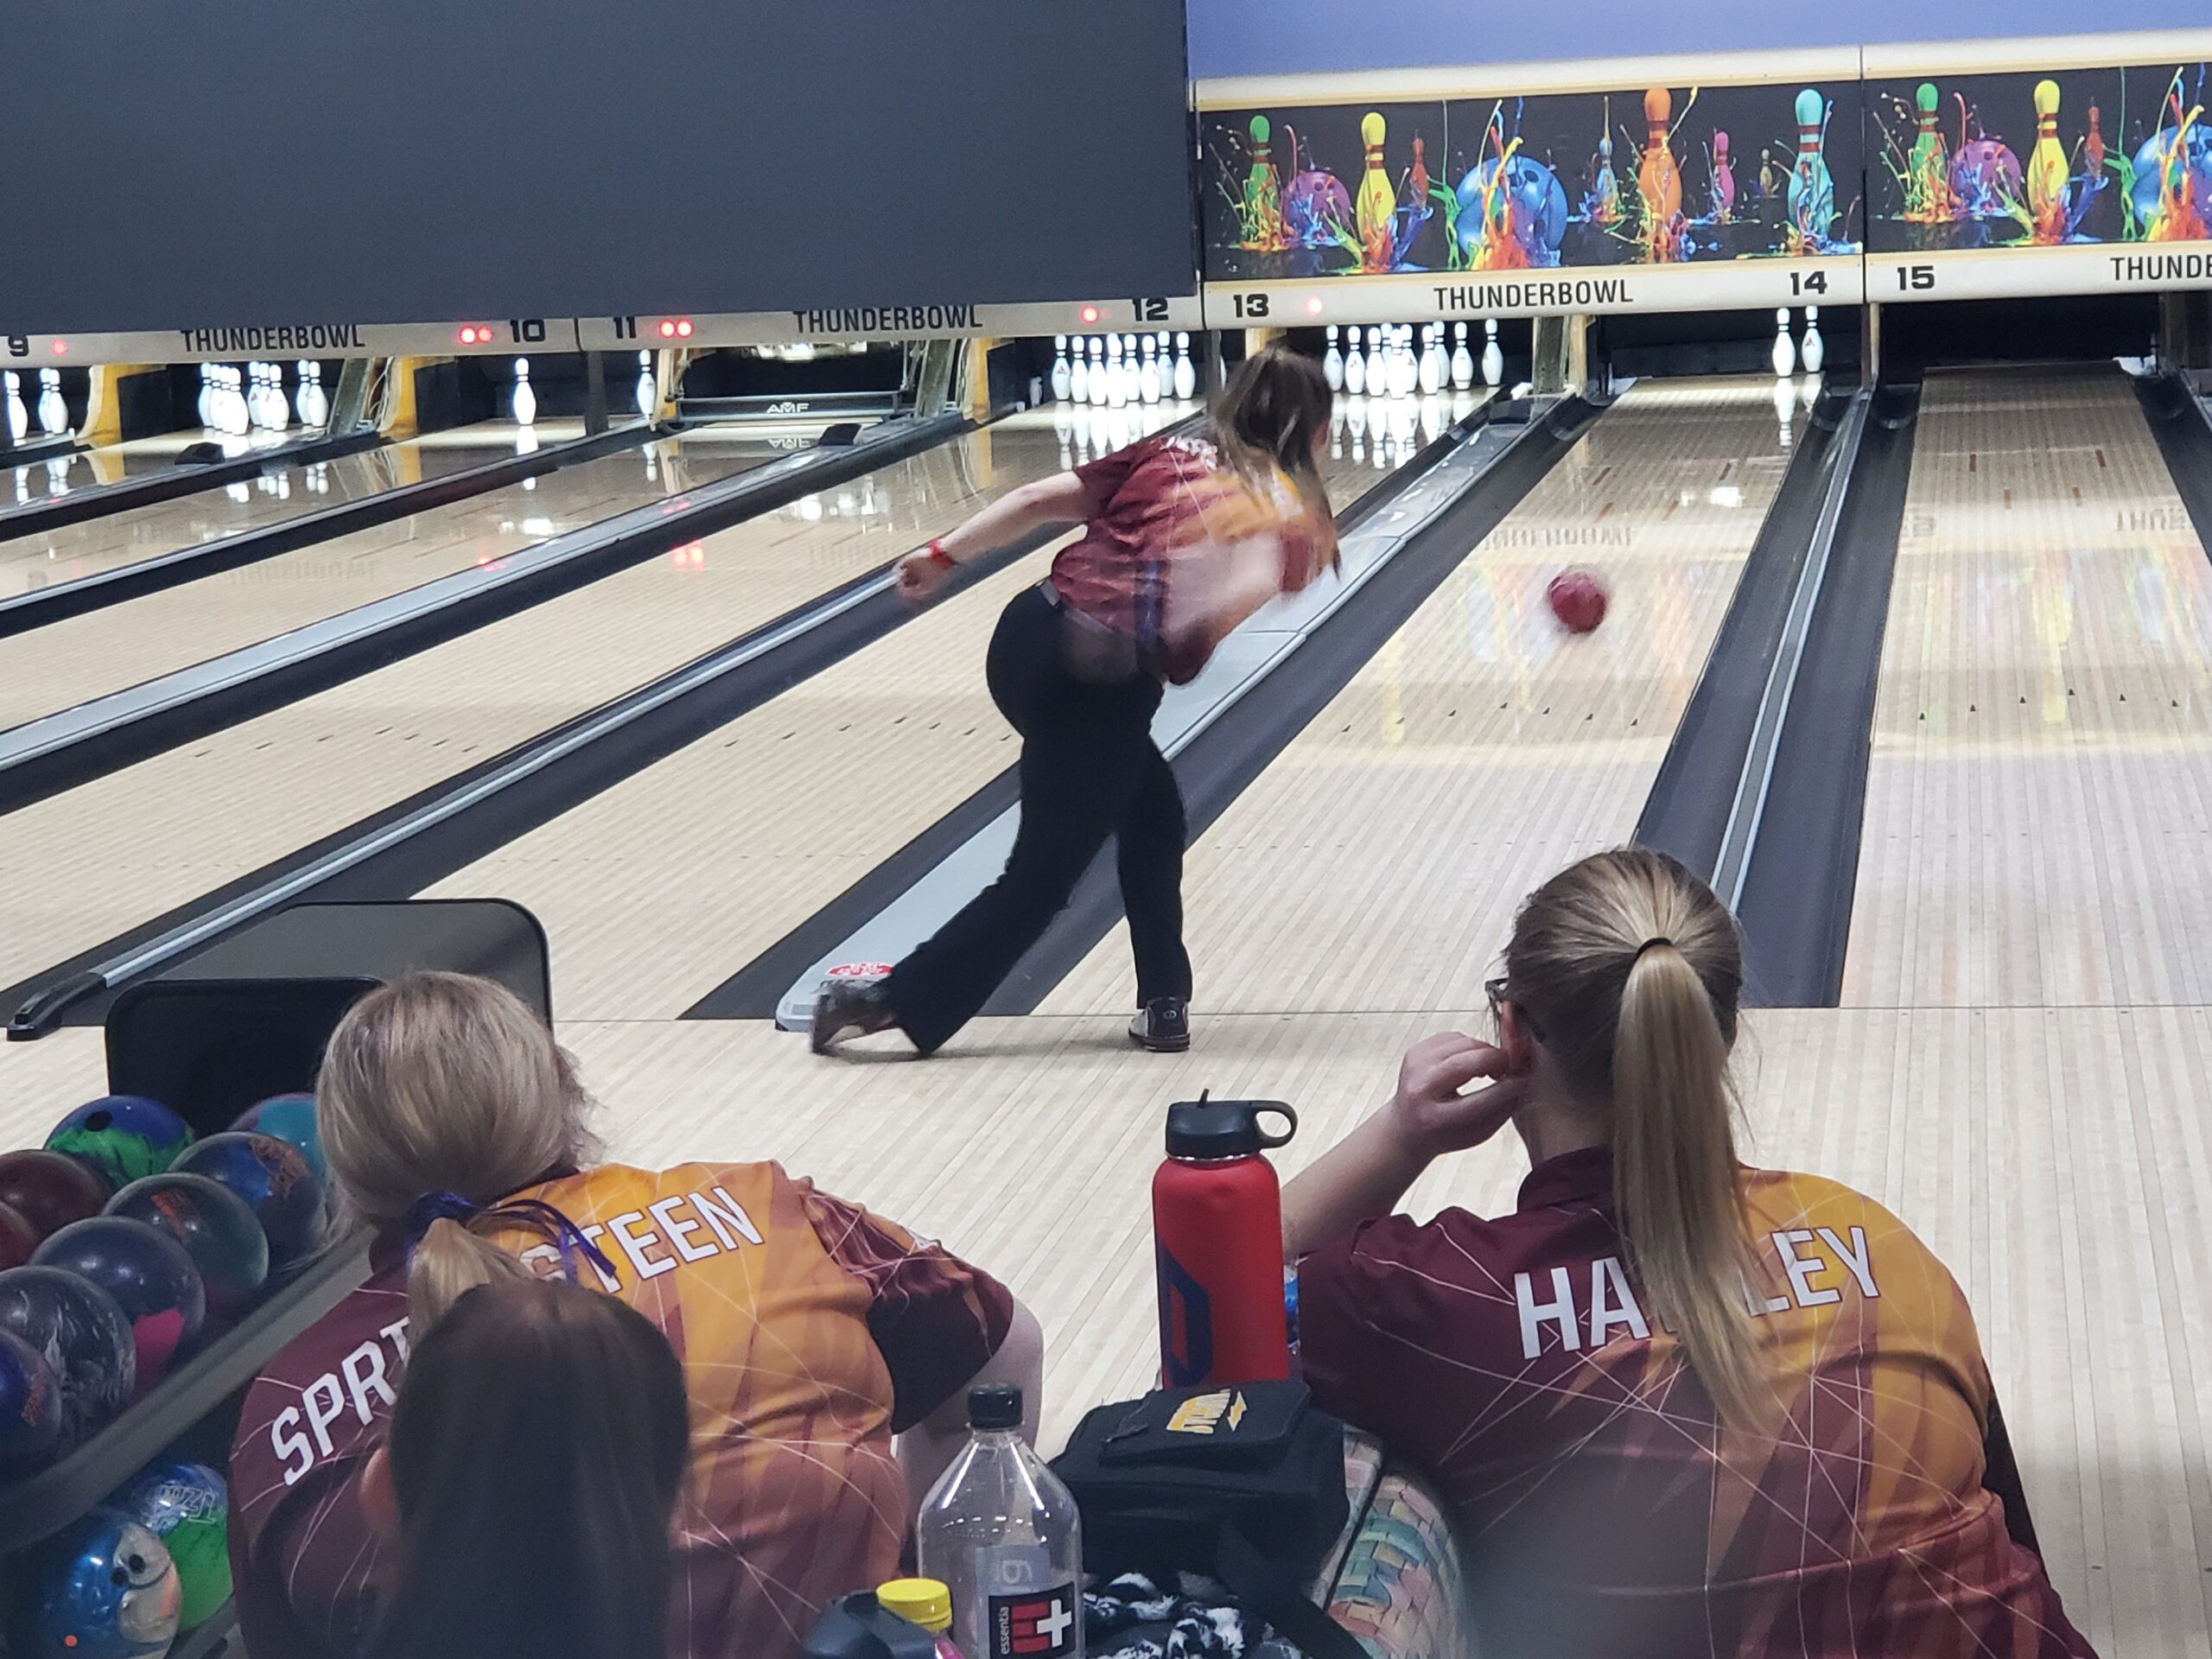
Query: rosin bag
x=1244, y=1483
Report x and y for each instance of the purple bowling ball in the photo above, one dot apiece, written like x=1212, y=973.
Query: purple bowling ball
x=83, y=1333
x=273, y=1177
x=151, y=1277
x=31, y=1408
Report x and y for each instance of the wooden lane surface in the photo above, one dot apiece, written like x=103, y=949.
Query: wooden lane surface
x=2038, y=819
x=125, y=538
x=81, y=657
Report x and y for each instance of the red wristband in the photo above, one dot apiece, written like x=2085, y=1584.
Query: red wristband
x=939, y=557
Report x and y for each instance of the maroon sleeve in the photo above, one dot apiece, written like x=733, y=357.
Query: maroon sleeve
x=936, y=1320
x=1103, y=479
x=1362, y=1302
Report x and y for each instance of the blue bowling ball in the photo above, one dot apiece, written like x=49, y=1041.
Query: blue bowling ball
x=83, y=1334
x=289, y=1117
x=273, y=1177
x=103, y=1588
x=30, y=1408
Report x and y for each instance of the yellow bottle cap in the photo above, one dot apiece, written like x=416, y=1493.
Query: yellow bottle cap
x=925, y=1602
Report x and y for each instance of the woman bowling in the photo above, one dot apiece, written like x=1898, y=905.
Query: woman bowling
x=1185, y=536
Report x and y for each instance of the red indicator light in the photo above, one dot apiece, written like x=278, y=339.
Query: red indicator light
x=684, y=329
x=1313, y=306
x=675, y=328
x=1090, y=314
x=61, y=348
x=476, y=333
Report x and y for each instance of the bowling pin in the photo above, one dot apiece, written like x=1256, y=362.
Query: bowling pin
x=1813, y=352
x=1097, y=373
x=1078, y=376
x=1186, y=372
x=207, y=403
x=1148, y=374
x=1355, y=368
x=1785, y=349
x=1409, y=374
x=648, y=388
x=241, y=418
x=1812, y=192
x=53, y=413
x=2047, y=162
x=1493, y=358
x=256, y=395
x=525, y=400
x=1062, y=375
x=1357, y=422
x=1332, y=363
x=1131, y=375
x=19, y=417
x=1117, y=391
x=1785, y=406
x=1658, y=179
x=313, y=370
x=1376, y=207
x=1463, y=360
x=1432, y=365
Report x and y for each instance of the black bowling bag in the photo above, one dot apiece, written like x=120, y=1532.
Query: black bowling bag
x=1243, y=1484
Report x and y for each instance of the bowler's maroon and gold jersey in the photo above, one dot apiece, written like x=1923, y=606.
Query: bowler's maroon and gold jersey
x=1602, y=1511
x=810, y=1332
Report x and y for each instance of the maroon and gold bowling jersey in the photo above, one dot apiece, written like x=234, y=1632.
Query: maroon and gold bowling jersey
x=1159, y=563
x=1604, y=1513
x=810, y=1331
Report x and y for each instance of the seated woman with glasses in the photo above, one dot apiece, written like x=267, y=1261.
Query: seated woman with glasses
x=1680, y=1406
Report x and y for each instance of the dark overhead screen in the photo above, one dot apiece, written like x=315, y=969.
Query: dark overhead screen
x=241, y=161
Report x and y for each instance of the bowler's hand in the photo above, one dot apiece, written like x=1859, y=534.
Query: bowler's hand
x=920, y=577
x=1432, y=1105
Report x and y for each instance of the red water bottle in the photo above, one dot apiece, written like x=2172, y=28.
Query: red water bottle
x=1217, y=1225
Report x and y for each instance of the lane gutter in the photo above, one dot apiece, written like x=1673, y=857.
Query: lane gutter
x=1789, y=861
x=1690, y=807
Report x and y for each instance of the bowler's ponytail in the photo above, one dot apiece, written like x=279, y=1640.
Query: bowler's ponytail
x=1630, y=969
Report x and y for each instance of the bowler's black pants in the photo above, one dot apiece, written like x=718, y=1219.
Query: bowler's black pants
x=1088, y=770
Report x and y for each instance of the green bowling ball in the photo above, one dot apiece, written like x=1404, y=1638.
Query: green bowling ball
x=121, y=1138
x=183, y=1505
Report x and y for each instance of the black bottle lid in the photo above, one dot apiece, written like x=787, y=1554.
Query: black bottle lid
x=996, y=1405
x=1224, y=1129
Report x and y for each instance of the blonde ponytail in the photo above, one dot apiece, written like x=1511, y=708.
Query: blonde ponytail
x=1631, y=970
x=449, y=1260
x=1675, y=1173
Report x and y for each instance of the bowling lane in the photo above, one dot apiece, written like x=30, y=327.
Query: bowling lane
x=69, y=661
x=656, y=891
x=2038, y=819
x=118, y=851
x=1374, y=866
x=125, y=538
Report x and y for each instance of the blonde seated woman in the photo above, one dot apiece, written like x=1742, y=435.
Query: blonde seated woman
x=1679, y=1406
x=811, y=1333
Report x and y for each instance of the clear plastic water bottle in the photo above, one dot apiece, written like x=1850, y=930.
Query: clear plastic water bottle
x=1001, y=1531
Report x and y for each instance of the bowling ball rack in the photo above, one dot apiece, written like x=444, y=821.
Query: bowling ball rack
x=247, y=1019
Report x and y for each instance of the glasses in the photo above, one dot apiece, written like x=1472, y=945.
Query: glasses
x=1500, y=995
